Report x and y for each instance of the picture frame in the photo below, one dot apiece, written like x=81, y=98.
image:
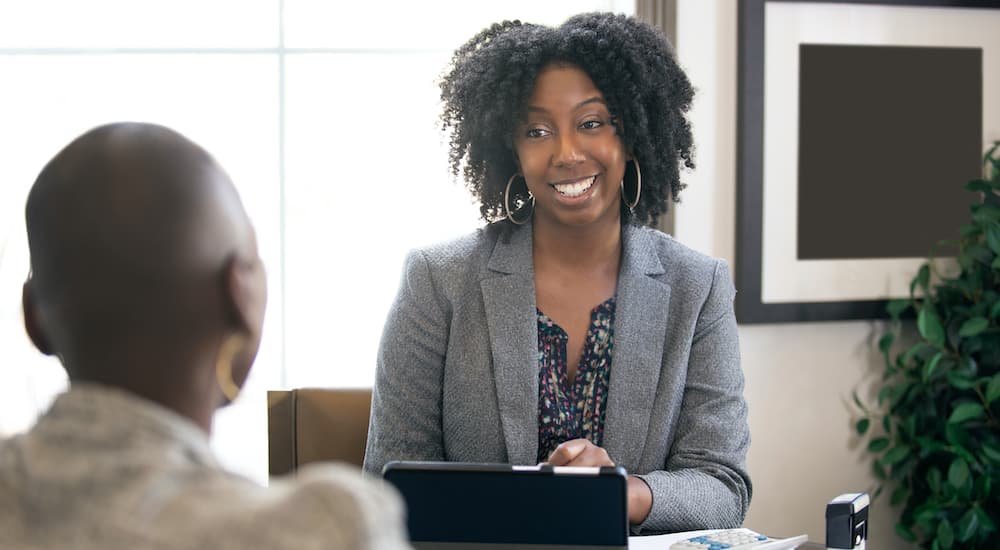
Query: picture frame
x=774, y=284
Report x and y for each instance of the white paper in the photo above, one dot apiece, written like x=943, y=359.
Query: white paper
x=663, y=542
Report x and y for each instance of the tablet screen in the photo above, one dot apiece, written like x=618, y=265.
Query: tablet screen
x=500, y=504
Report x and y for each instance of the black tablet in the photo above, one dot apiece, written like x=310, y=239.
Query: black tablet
x=498, y=506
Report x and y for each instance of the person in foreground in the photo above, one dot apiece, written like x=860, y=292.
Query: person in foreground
x=564, y=331
x=146, y=283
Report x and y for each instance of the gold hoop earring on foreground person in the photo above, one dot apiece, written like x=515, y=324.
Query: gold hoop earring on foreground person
x=224, y=366
x=638, y=187
x=506, y=202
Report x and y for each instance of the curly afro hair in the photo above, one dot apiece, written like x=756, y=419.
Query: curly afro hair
x=486, y=88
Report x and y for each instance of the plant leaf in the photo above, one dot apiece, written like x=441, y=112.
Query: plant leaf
x=985, y=213
x=954, y=434
x=988, y=156
x=878, y=444
x=980, y=253
x=960, y=380
x=990, y=450
x=988, y=525
x=945, y=534
x=885, y=342
x=863, y=425
x=897, y=307
x=925, y=517
x=965, y=411
x=967, y=525
x=973, y=326
x=968, y=366
x=895, y=454
x=899, y=495
x=978, y=185
x=995, y=310
x=931, y=366
x=993, y=389
x=993, y=237
x=958, y=473
x=960, y=441
x=923, y=277
x=930, y=326
x=929, y=445
x=934, y=479
x=905, y=533
x=981, y=487
x=909, y=426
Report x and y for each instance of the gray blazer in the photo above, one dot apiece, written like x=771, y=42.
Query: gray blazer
x=457, y=373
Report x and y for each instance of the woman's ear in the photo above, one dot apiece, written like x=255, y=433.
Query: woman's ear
x=246, y=292
x=33, y=319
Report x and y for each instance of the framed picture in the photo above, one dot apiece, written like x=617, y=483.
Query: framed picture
x=859, y=124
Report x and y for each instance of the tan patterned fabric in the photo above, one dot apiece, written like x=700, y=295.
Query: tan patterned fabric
x=103, y=469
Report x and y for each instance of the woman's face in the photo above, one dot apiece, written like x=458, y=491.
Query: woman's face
x=569, y=150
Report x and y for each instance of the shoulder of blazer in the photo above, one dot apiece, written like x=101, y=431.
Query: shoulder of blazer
x=459, y=251
x=679, y=261
x=458, y=264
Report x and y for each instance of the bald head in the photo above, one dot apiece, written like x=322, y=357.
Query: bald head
x=130, y=229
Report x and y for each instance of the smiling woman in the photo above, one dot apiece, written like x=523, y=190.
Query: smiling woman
x=565, y=331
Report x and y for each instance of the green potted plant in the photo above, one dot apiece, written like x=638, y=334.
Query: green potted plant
x=938, y=446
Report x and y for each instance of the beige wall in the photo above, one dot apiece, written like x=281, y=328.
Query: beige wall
x=799, y=376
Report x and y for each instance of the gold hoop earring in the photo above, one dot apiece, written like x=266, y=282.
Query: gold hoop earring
x=224, y=366
x=638, y=187
x=506, y=202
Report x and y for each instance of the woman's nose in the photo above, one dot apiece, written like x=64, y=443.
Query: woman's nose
x=569, y=152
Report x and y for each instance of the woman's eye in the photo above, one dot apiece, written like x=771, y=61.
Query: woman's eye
x=535, y=133
x=592, y=124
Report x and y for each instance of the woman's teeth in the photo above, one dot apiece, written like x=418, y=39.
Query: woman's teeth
x=575, y=189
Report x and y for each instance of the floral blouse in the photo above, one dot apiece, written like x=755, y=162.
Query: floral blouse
x=573, y=411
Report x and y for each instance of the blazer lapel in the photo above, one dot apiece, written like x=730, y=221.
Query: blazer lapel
x=508, y=287
x=639, y=329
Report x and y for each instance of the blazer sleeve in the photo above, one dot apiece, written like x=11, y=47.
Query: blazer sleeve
x=405, y=419
x=704, y=483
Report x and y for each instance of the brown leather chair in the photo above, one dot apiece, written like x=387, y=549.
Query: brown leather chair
x=316, y=425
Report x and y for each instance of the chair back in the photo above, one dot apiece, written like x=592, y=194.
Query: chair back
x=316, y=425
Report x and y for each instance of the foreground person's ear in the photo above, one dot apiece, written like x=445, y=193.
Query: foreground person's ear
x=33, y=319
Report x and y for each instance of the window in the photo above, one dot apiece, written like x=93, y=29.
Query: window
x=325, y=115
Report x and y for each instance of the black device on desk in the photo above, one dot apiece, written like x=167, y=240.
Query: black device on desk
x=462, y=505
x=847, y=521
